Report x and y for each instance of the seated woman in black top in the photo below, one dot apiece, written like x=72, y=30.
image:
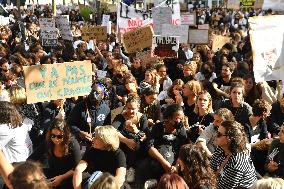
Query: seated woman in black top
x=164, y=142
x=105, y=156
x=63, y=154
x=240, y=109
x=133, y=126
x=256, y=127
x=190, y=92
x=150, y=106
x=202, y=115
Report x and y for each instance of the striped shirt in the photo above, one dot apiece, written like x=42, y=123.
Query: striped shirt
x=239, y=171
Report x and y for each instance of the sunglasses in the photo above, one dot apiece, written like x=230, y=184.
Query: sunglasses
x=220, y=134
x=56, y=136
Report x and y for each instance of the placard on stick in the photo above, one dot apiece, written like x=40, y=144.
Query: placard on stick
x=198, y=36
x=137, y=39
x=166, y=46
x=188, y=19
x=57, y=81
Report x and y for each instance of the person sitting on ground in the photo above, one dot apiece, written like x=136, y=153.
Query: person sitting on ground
x=105, y=156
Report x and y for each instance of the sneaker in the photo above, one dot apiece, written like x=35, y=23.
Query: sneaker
x=130, y=175
x=149, y=184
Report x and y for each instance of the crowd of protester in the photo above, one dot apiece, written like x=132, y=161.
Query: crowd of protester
x=198, y=121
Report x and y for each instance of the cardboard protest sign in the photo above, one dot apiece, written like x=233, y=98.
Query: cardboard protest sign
x=161, y=15
x=146, y=57
x=219, y=41
x=165, y=46
x=203, y=27
x=129, y=18
x=198, y=36
x=173, y=30
x=268, y=54
x=94, y=32
x=63, y=25
x=188, y=19
x=48, y=32
x=137, y=39
x=233, y=4
x=57, y=81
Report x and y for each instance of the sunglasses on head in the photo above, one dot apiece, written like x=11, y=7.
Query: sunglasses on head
x=56, y=136
x=220, y=134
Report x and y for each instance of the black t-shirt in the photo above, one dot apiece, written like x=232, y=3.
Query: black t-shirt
x=105, y=161
x=219, y=81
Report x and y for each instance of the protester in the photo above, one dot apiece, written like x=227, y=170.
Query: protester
x=230, y=160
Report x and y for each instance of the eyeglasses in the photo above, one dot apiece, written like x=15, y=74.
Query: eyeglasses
x=220, y=134
x=56, y=136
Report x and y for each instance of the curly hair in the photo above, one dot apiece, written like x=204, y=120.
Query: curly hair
x=236, y=134
x=61, y=126
x=197, y=170
x=9, y=114
x=225, y=114
x=260, y=107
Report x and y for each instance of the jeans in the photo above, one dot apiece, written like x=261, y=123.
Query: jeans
x=92, y=179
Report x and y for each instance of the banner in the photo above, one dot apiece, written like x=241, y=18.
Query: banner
x=63, y=25
x=219, y=41
x=166, y=47
x=198, y=36
x=172, y=30
x=129, y=18
x=137, y=39
x=94, y=32
x=268, y=49
x=161, y=15
x=48, y=32
x=57, y=81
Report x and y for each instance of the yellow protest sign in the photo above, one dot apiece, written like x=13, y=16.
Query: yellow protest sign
x=219, y=41
x=57, y=81
x=137, y=39
x=94, y=32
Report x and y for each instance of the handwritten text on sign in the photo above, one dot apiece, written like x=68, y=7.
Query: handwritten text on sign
x=138, y=39
x=57, y=81
x=165, y=46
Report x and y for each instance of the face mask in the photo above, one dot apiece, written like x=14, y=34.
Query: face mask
x=96, y=96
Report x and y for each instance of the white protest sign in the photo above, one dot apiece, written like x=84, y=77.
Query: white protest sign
x=106, y=22
x=203, y=27
x=62, y=23
x=48, y=31
x=4, y=20
x=165, y=46
x=198, y=36
x=105, y=19
x=188, y=19
x=161, y=15
x=268, y=50
x=173, y=30
x=277, y=5
x=129, y=18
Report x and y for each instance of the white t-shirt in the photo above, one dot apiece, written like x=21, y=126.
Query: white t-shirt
x=16, y=143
